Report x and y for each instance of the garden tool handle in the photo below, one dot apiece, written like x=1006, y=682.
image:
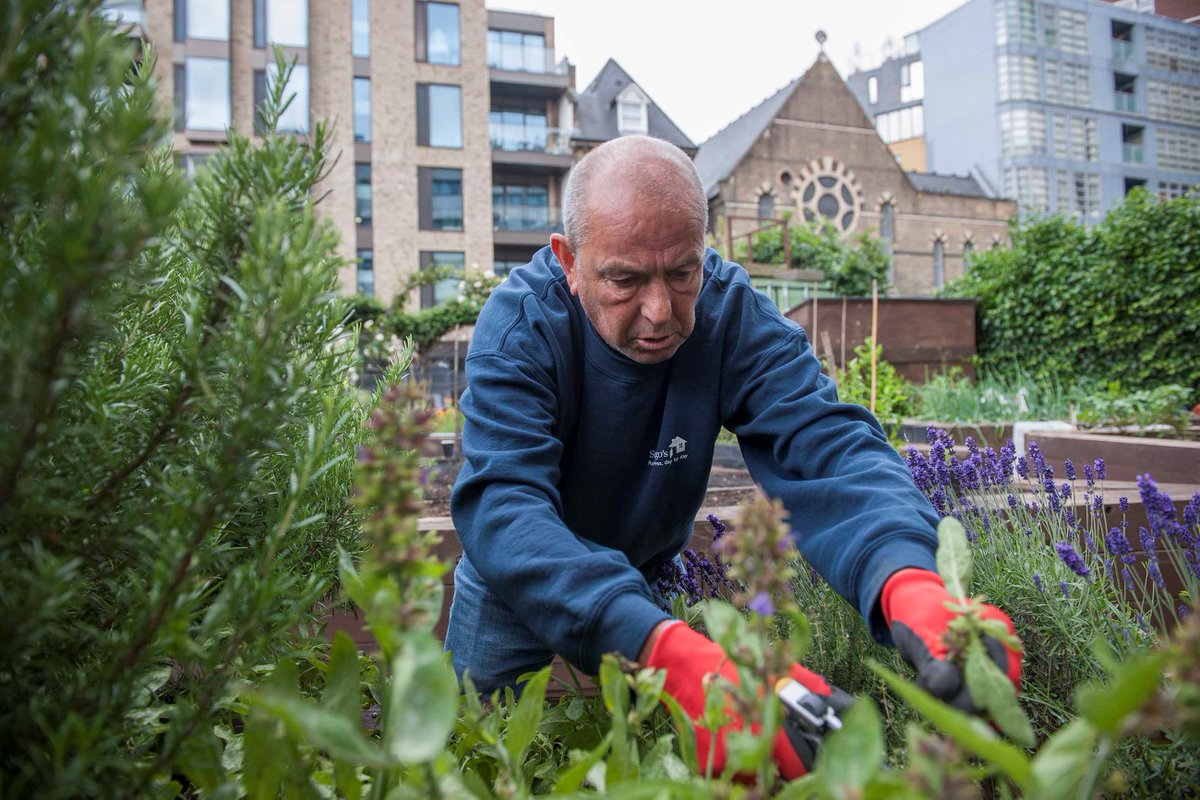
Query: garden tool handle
x=808, y=718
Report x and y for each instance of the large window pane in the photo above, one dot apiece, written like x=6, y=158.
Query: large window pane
x=443, y=31
x=366, y=272
x=287, y=22
x=362, y=109
x=295, y=116
x=362, y=193
x=208, y=19
x=447, y=200
x=207, y=94
x=360, y=28
x=445, y=116
x=447, y=288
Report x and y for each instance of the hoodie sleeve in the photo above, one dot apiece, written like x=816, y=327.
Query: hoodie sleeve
x=581, y=598
x=855, y=513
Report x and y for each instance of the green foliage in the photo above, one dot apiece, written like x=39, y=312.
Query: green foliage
x=892, y=392
x=423, y=326
x=1116, y=301
x=994, y=396
x=849, y=265
x=1163, y=405
x=176, y=438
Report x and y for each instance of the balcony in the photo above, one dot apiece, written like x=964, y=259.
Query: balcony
x=527, y=70
x=542, y=149
x=524, y=225
x=1133, y=153
x=1122, y=49
x=1125, y=101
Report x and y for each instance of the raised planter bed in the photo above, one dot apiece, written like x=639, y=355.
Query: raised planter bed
x=1125, y=457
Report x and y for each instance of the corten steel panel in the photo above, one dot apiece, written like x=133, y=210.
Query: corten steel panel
x=920, y=336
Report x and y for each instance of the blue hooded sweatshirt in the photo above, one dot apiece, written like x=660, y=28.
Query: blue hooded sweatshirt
x=585, y=469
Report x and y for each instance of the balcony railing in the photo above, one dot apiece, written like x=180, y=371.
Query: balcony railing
x=124, y=12
x=1125, y=101
x=1122, y=49
x=1133, y=153
x=523, y=139
x=526, y=218
x=524, y=58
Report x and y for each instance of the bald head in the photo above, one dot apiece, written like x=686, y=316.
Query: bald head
x=624, y=171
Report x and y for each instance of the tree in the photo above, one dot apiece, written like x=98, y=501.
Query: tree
x=849, y=265
x=176, y=434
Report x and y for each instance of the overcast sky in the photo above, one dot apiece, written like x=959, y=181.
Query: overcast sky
x=706, y=62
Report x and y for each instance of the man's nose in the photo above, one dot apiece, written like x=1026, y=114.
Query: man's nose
x=656, y=303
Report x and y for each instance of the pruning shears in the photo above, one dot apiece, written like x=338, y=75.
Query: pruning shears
x=809, y=717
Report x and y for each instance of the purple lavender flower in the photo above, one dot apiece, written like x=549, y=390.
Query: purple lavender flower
x=1141, y=621
x=1123, y=501
x=1156, y=574
x=1023, y=467
x=1089, y=474
x=1069, y=468
x=1066, y=491
x=1184, y=611
x=1118, y=545
x=1069, y=518
x=1066, y=589
x=1160, y=511
x=761, y=604
x=931, y=434
x=1008, y=454
x=1088, y=541
x=1101, y=470
x=972, y=447
x=1148, y=539
x=1037, y=581
x=365, y=455
x=1097, y=505
x=1071, y=558
x=718, y=527
x=1012, y=501
x=1191, y=512
x=1125, y=576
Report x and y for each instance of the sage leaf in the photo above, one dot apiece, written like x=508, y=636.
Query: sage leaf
x=422, y=701
x=571, y=778
x=992, y=691
x=1107, y=707
x=342, y=695
x=1063, y=762
x=954, y=557
x=851, y=756
x=523, y=722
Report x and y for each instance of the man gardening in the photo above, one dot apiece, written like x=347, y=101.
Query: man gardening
x=598, y=378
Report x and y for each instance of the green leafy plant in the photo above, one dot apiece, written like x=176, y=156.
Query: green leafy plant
x=1164, y=406
x=1116, y=301
x=177, y=437
x=850, y=265
x=892, y=392
x=995, y=396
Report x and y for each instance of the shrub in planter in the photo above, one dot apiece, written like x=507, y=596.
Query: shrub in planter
x=176, y=433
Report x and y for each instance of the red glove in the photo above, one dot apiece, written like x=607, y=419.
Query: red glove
x=688, y=658
x=914, y=604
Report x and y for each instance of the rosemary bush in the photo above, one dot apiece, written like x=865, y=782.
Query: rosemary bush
x=176, y=434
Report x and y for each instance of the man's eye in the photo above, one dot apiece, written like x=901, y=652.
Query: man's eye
x=623, y=283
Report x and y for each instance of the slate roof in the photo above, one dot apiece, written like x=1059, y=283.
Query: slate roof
x=960, y=185
x=596, y=110
x=721, y=153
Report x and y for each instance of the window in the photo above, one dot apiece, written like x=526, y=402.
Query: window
x=1174, y=102
x=1134, y=183
x=447, y=288
x=766, y=206
x=872, y=90
x=439, y=115
x=905, y=123
x=202, y=94
x=360, y=28
x=295, y=117
x=282, y=22
x=968, y=253
x=362, y=193
x=1171, y=190
x=511, y=129
x=1019, y=79
x=1173, y=51
x=522, y=52
x=1178, y=150
x=190, y=163
x=1064, y=29
x=1131, y=144
x=939, y=264
x=1028, y=186
x=202, y=19
x=1075, y=138
x=366, y=272
x=1022, y=132
x=520, y=206
x=1078, y=194
x=912, y=81
x=440, y=199
x=632, y=117
x=437, y=33
x=887, y=233
x=1016, y=22
x=362, y=109
x=1068, y=83
x=1124, y=92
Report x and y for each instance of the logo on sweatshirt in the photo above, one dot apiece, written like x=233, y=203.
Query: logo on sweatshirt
x=675, y=452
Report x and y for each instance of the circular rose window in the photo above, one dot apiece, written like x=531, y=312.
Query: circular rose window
x=826, y=189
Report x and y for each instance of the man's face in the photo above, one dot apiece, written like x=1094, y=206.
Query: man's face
x=637, y=276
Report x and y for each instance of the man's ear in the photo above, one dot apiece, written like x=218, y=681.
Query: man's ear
x=566, y=257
